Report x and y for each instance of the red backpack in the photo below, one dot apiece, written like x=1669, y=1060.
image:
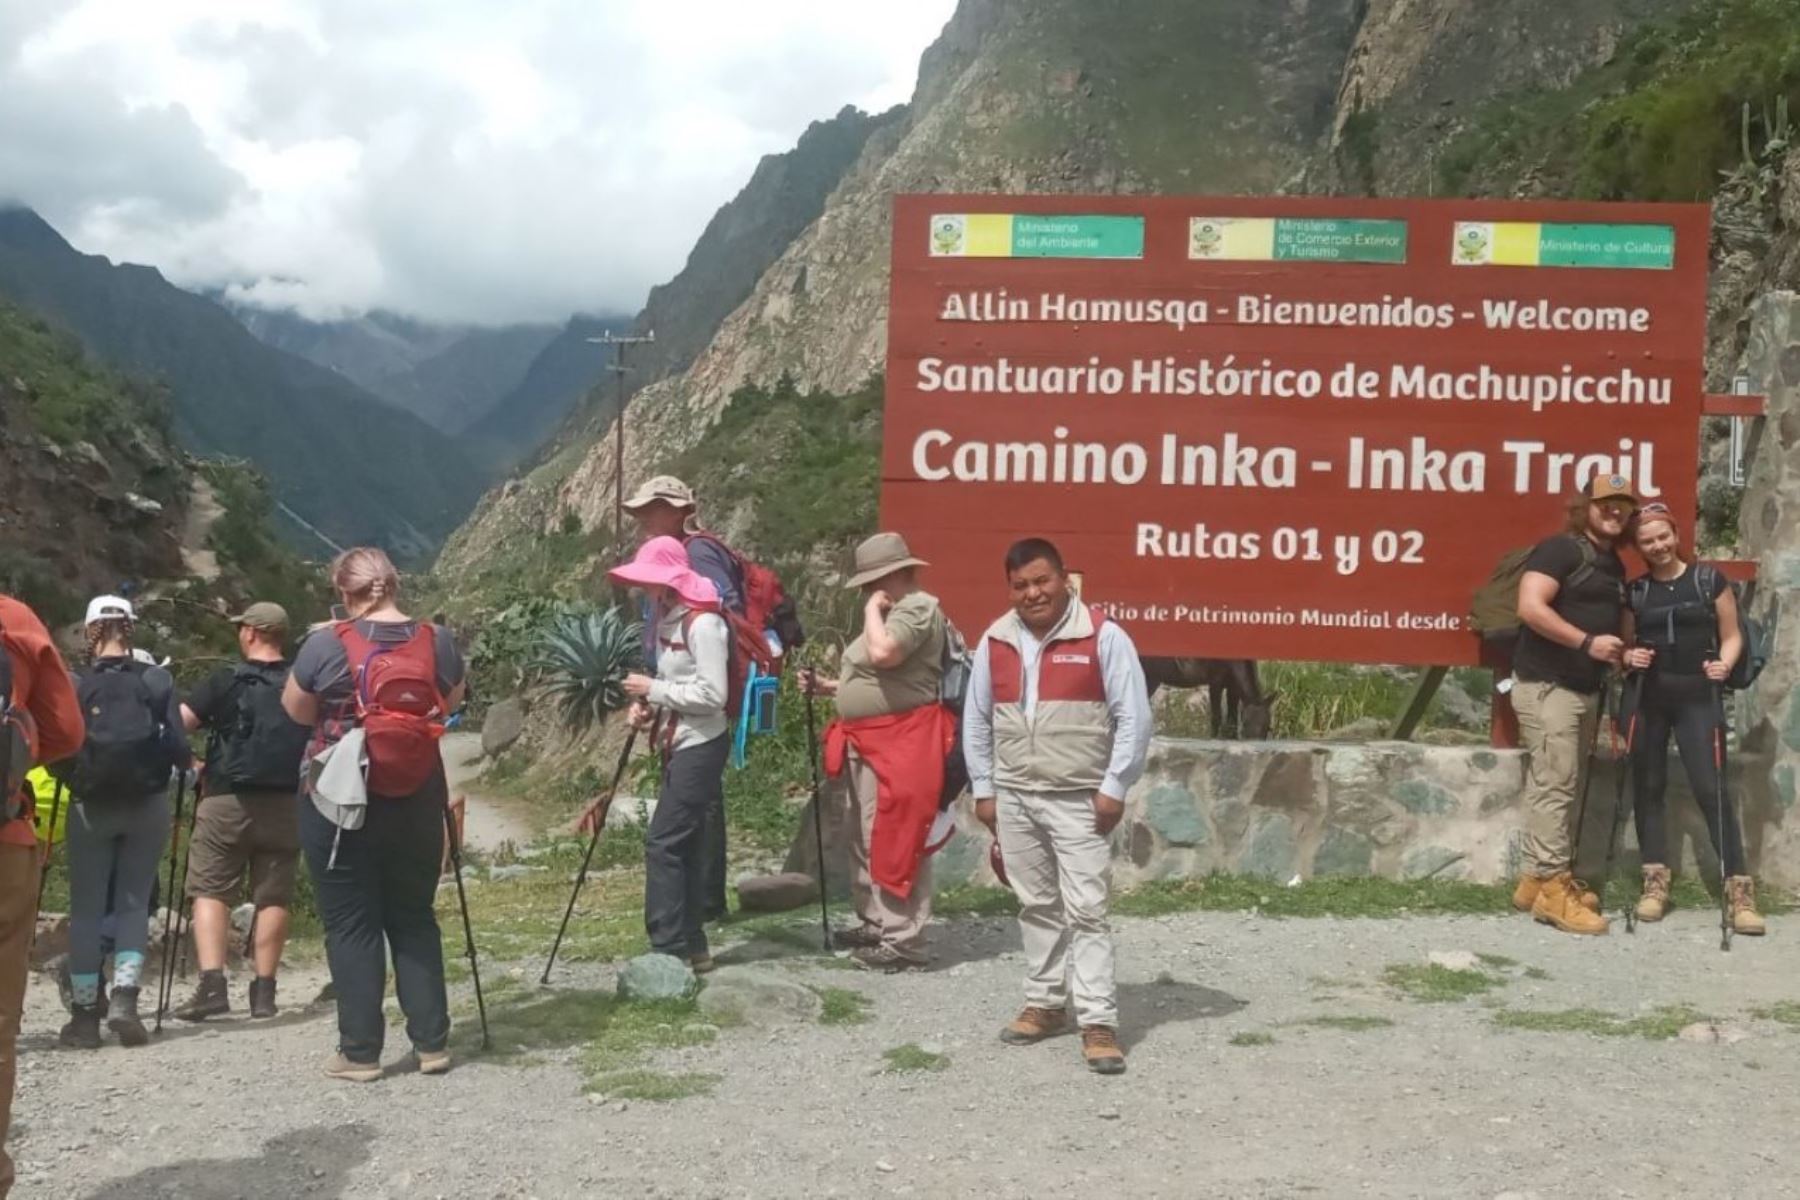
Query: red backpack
x=398, y=706
x=766, y=602
x=744, y=646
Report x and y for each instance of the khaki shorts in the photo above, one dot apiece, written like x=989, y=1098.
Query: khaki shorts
x=258, y=830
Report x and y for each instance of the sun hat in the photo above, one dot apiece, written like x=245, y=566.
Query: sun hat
x=881, y=555
x=265, y=615
x=666, y=488
x=109, y=608
x=663, y=562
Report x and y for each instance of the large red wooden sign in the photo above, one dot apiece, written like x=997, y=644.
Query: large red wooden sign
x=1298, y=428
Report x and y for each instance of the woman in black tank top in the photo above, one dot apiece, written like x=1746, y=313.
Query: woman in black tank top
x=1682, y=626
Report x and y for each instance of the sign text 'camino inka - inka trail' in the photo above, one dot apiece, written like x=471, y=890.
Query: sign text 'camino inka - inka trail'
x=1281, y=428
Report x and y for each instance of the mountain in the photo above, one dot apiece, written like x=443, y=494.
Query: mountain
x=338, y=458
x=449, y=375
x=563, y=372
x=95, y=495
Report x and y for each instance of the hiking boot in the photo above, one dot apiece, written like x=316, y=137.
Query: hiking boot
x=122, y=1018
x=1034, y=1025
x=83, y=1030
x=1740, y=891
x=885, y=959
x=1100, y=1050
x=857, y=937
x=210, y=999
x=1655, y=901
x=354, y=1072
x=701, y=964
x=432, y=1062
x=262, y=998
x=1559, y=903
x=1526, y=894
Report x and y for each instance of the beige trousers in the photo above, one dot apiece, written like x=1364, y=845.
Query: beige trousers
x=1556, y=727
x=1061, y=871
x=901, y=923
x=19, y=868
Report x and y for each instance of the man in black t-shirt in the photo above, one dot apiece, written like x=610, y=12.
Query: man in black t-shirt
x=248, y=816
x=1571, y=601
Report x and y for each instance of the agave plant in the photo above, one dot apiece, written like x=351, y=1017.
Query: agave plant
x=583, y=659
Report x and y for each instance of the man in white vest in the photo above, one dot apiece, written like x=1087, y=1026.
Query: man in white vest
x=1056, y=728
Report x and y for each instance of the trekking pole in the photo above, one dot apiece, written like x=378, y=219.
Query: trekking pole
x=462, y=899
x=604, y=806
x=1718, y=696
x=187, y=862
x=56, y=799
x=1621, y=766
x=1586, y=782
x=812, y=763
x=165, y=982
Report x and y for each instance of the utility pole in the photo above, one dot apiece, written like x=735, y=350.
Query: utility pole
x=618, y=369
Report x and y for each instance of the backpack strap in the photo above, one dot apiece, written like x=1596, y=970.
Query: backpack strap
x=1638, y=594
x=1590, y=562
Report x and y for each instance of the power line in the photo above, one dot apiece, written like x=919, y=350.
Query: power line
x=618, y=368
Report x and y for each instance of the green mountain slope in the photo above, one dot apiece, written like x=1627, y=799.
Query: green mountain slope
x=343, y=460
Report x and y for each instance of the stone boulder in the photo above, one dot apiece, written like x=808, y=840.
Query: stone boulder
x=504, y=725
x=761, y=998
x=776, y=893
x=657, y=977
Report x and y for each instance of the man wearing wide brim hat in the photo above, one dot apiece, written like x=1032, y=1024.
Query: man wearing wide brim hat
x=664, y=506
x=889, y=741
x=1571, y=611
x=248, y=819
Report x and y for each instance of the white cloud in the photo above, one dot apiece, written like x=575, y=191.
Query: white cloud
x=456, y=159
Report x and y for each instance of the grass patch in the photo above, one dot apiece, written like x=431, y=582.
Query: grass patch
x=1536, y=973
x=612, y=1034
x=1350, y=1024
x=654, y=1085
x=1784, y=1012
x=912, y=1057
x=1429, y=983
x=1326, y=897
x=1658, y=1025
x=969, y=901
x=841, y=1006
x=1253, y=1039
x=1497, y=961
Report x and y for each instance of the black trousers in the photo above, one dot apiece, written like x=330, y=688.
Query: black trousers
x=676, y=850
x=378, y=898
x=1684, y=705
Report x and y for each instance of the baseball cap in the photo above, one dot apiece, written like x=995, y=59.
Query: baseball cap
x=666, y=488
x=109, y=608
x=264, y=615
x=1608, y=487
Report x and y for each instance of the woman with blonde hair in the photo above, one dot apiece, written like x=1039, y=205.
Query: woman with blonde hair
x=376, y=885
x=1681, y=626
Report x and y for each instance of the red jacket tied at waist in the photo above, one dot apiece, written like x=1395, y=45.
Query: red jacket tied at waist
x=906, y=751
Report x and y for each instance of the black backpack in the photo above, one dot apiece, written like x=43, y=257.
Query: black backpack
x=1755, y=654
x=125, y=755
x=260, y=746
x=15, y=751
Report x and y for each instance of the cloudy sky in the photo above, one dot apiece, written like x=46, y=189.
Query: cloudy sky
x=453, y=159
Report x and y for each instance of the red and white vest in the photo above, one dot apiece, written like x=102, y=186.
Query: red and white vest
x=1066, y=742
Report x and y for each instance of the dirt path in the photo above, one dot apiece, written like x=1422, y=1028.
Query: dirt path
x=204, y=511
x=487, y=821
x=1361, y=1091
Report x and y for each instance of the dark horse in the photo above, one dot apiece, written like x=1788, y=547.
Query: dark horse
x=1245, y=712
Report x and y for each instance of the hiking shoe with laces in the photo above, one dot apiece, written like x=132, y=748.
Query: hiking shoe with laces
x=353, y=1072
x=122, y=1017
x=1559, y=903
x=1526, y=894
x=1035, y=1024
x=886, y=960
x=432, y=1062
x=1655, y=901
x=701, y=964
x=210, y=999
x=83, y=1030
x=1740, y=892
x=857, y=937
x=1100, y=1050
x=262, y=998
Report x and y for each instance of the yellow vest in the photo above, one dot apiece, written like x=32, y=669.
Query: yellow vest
x=43, y=791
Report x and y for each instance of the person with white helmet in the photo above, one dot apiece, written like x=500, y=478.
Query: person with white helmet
x=118, y=819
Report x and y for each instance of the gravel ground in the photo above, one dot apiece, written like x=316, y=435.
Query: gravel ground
x=1440, y=1103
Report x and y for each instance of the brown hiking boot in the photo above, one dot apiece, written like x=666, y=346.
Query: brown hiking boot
x=1034, y=1025
x=1741, y=892
x=1100, y=1050
x=1655, y=901
x=886, y=960
x=1526, y=894
x=1560, y=903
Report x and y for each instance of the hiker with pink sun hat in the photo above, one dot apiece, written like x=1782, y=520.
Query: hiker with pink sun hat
x=684, y=708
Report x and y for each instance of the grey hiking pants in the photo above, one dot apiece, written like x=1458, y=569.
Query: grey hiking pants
x=675, y=848
x=117, y=844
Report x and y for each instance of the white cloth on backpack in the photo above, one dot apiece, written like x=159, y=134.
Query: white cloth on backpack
x=337, y=782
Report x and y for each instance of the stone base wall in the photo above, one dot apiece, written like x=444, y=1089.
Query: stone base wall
x=1397, y=809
